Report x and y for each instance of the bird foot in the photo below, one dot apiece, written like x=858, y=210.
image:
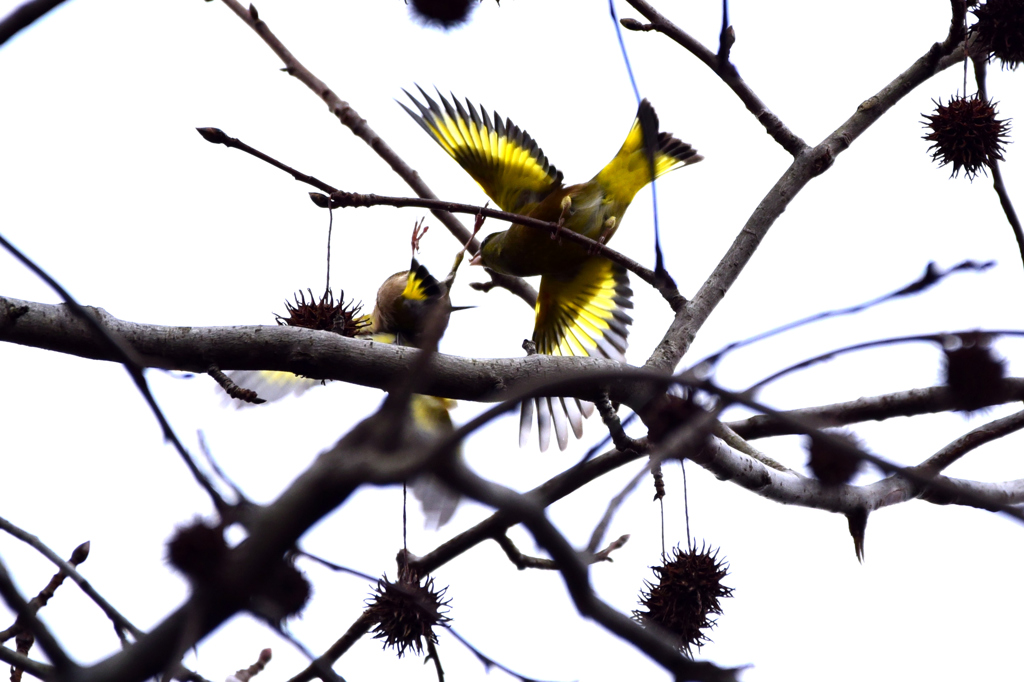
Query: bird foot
x=566, y=206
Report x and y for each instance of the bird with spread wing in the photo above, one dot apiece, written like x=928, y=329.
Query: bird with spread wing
x=581, y=303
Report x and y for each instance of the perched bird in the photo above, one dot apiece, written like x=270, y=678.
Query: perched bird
x=406, y=304
x=402, y=311
x=411, y=308
x=582, y=296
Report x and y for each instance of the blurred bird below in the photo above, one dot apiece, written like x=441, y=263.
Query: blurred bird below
x=412, y=308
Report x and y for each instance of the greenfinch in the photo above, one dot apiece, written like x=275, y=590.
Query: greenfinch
x=581, y=303
x=403, y=313
x=400, y=315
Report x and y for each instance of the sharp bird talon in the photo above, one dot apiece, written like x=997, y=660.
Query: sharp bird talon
x=583, y=296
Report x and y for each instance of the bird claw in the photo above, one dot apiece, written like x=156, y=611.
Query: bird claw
x=566, y=207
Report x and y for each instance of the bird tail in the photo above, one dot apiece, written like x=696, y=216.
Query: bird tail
x=645, y=148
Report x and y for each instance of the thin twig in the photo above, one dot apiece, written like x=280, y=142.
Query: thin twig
x=874, y=408
x=31, y=666
x=986, y=433
x=24, y=16
x=218, y=136
x=256, y=668
x=932, y=275
x=232, y=389
x=62, y=663
x=121, y=624
x=78, y=556
x=523, y=561
x=614, y=425
x=351, y=199
x=719, y=63
x=997, y=175
x=682, y=440
x=354, y=633
x=486, y=661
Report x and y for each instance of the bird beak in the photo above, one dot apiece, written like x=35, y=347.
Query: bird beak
x=477, y=260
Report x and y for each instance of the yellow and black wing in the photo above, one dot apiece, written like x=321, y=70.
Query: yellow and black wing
x=501, y=157
x=580, y=314
x=630, y=170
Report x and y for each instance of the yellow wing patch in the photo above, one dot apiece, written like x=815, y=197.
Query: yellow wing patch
x=421, y=285
x=583, y=315
x=501, y=157
x=630, y=170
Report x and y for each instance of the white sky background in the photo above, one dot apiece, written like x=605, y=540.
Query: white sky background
x=107, y=185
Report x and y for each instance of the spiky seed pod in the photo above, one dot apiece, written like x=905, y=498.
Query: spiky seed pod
x=285, y=591
x=668, y=412
x=1000, y=27
x=831, y=464
x=973, y=373
x=326, y=314
x=967, y=134
x=197, y=550
x=686, y=595
x=443, y=14
x=406, y=613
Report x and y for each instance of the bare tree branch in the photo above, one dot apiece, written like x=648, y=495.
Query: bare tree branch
x=983, y=495
x=354, y=633
x=310, y=353
x=121, y=624
x=32, y=667
x=985, y=433
x=725, y=70
x=80, y=554
x=24, y=16
x=980, y=69
x=522, y=561
x=666, y=289
x=62, y=663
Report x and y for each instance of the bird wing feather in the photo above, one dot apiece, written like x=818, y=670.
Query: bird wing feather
x=500, y=156
x=581, y=315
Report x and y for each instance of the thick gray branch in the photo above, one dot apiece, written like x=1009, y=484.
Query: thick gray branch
x=315, y=354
